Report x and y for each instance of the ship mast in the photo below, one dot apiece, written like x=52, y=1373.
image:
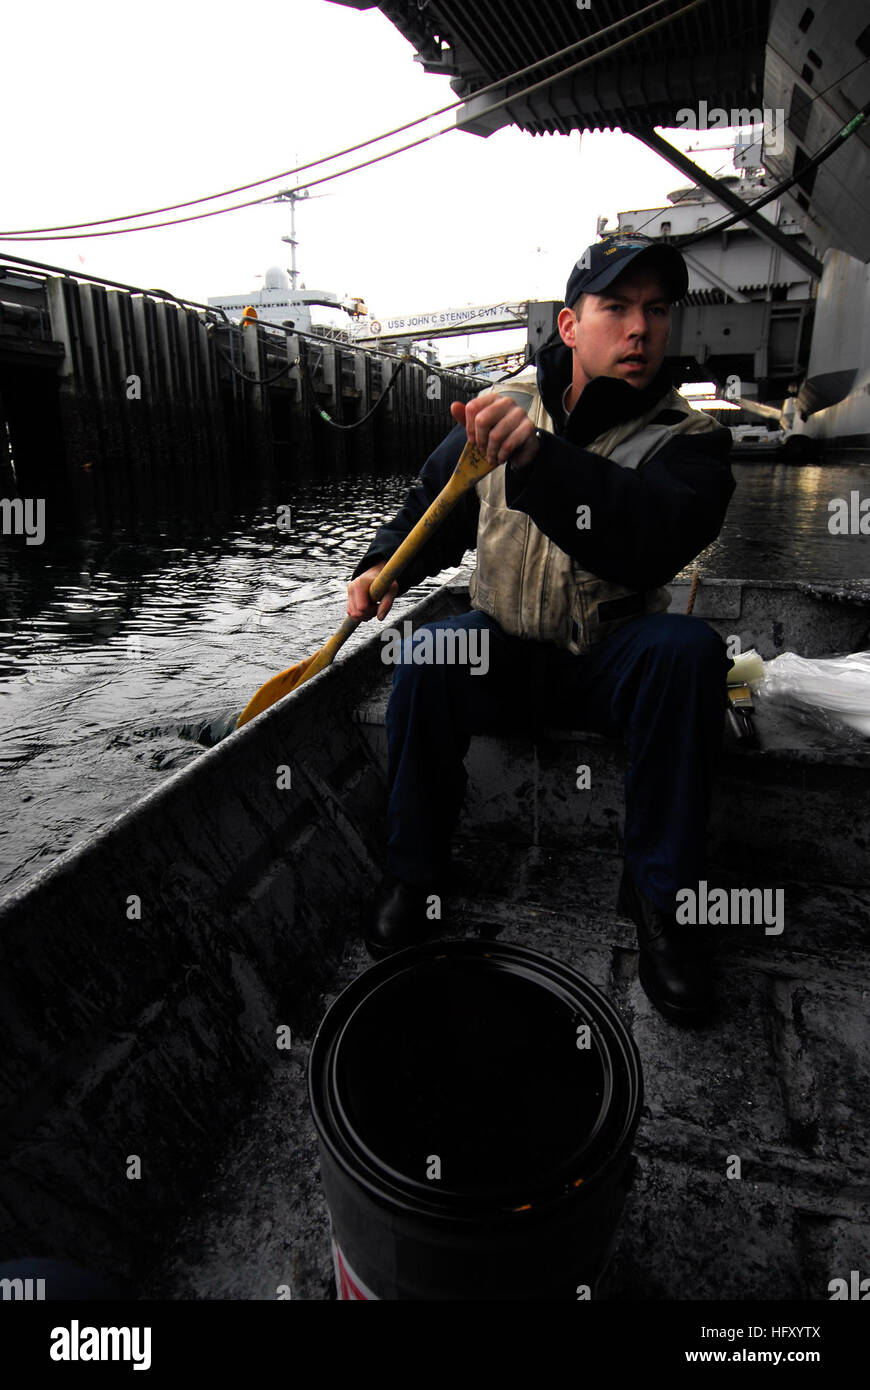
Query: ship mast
x=292, y=196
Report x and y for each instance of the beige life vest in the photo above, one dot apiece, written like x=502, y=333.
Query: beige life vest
x=524, y=580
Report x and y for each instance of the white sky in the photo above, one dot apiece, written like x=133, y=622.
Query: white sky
x=110, y=108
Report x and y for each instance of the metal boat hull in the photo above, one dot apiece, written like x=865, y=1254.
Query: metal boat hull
x=145, y=975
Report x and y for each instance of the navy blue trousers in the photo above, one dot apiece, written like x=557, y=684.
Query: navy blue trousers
x=658, y=681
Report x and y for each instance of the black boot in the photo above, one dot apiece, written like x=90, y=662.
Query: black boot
x=399, y=918
x=674, y=961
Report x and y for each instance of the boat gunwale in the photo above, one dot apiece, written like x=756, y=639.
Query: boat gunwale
x=451, y=594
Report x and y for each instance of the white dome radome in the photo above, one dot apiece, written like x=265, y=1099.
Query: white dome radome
x=276, y=278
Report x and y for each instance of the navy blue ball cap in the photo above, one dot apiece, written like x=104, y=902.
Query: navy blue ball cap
x=602, y=263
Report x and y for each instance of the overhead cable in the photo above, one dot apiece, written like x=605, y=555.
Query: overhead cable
x=351, y=149
x=376, y=159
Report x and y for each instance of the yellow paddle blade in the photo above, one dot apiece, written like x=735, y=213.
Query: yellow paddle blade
x=274, y=690
x=282, y=684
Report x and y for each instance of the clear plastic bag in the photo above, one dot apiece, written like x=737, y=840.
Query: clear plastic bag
x=831, y=691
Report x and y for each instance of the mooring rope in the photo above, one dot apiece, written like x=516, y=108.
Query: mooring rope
x=257, y=380
x=327, y=418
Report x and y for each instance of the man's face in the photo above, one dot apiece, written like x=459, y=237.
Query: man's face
x=621, y=332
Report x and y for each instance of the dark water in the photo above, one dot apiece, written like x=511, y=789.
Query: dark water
x=114, y=651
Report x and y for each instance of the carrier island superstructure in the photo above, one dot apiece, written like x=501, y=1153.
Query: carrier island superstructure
x=779, y=299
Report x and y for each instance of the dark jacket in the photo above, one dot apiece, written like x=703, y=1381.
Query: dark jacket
x=650, y=522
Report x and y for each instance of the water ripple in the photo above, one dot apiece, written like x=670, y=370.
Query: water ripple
x=117, y=655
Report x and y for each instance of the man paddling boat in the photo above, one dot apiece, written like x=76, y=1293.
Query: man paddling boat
x=611, y=484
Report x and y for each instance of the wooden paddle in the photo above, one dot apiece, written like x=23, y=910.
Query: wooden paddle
x=472, y=466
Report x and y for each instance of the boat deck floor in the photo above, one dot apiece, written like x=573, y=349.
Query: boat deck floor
x=777, y=1079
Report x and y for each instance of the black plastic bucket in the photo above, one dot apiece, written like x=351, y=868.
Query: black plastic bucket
x=514, y=1073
